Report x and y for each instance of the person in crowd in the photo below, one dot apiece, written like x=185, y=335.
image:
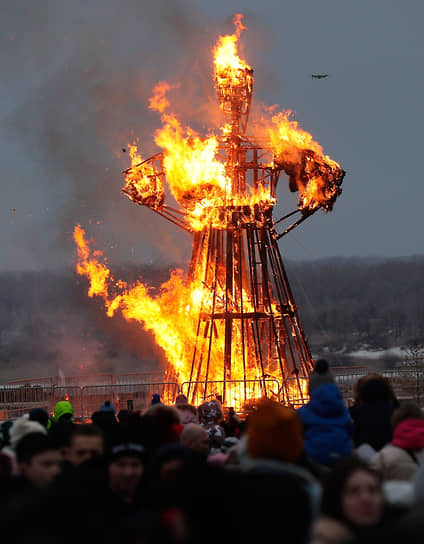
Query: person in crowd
x=156, y=399
x=326, y=420
x=158, y=426
x=86, y=442
x=42, y=416
x=22, y=427
x=108, y=491
x=352, y=504
x=126, y=462
x=107, y=422
x=107, y=406
x=272, y=451
x=17, y=430
x=181, y=399
x=24, y=497
x=196, y=438
x=373, y=413
x=232, y=423
x=358, y=400
x=187, y=412
x=39, y=460
x=63, y=412
x=211, y=418
x=400, y=459
x=63, y=424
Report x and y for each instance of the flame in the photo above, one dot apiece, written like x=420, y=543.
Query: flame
x=159, y=101
x=316, y=176
x=145, y=184
x=228, y=64
x=172, y=319
x=205, y=176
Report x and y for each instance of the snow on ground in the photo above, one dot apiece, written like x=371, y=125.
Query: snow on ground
x=377, y=354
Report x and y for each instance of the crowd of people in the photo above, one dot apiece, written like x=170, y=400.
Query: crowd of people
x=180, y=474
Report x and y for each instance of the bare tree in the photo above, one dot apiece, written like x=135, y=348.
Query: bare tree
x=414, y=362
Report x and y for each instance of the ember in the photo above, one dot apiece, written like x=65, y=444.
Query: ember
x=229, y=327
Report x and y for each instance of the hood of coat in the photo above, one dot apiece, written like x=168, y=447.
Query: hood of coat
x=327, y=401
x=409, y=434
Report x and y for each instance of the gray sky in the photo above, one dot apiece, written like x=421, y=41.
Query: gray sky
x=75, y=81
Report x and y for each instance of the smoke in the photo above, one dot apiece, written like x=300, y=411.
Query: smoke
x=88, y=73
x=48, y=328
x=76, y=79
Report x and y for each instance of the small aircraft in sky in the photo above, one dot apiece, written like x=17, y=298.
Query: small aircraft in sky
x=319, y=76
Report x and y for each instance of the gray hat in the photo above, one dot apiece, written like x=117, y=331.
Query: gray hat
x=320, y=375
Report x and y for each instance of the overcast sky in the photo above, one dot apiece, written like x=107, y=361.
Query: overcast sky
x=76, y=77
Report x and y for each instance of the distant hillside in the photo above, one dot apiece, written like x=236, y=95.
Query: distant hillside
x=348, y=303
x=49, y=325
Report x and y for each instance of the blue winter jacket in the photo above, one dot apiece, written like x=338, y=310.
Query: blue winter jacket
x=327, y=424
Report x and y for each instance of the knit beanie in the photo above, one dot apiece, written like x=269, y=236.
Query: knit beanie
x=62, y=407
x=320, y=375
x=40, y=415
x=274, y=432
x=107, y=406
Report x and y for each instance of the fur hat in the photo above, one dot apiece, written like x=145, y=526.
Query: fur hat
x=274, y=432
x=320, y=375
x=23, y=426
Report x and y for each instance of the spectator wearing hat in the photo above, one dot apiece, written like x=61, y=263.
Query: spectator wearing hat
x=326, y=421
x=63, y=412
x=42, y=416
x=125, y=470
x=400, y=459
x=16, y=432
x=63, y=423
x=272, y=451
x=107, y=406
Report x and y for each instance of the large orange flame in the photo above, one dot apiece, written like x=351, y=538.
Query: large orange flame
x=203, y=175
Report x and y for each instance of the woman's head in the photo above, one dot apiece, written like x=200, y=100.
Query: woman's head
x=353, y=494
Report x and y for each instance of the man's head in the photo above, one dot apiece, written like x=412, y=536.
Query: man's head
x=196, y=438
x=125, y=468
x=86, y=442
x=39, y=459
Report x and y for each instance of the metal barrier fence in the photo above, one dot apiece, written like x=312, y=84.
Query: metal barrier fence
x=294, y=391
x=132, y=396
x=234, y=393
x=15, y=402
x=17, y=399
x=89, y=379
x=31, y=382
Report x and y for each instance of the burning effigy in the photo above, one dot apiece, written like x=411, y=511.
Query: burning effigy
x=228, y=326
